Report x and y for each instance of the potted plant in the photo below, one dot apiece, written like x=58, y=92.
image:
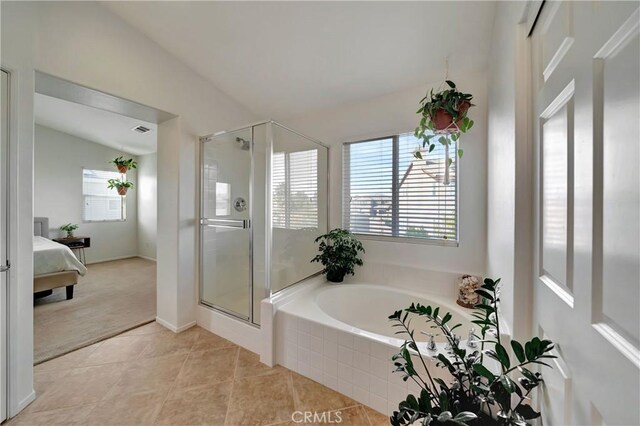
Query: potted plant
x=477, y=394
x=122, y=186
x=338, y=254
x=443, y=115
x=124, y=164
x=69, y=228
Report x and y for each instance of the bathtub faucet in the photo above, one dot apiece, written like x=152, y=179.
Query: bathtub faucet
x=472, y=341
x=431, y=344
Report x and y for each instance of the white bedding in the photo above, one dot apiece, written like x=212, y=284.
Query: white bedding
x=50, y=257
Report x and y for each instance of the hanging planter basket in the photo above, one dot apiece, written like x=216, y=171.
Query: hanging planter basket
x=124, y=164
x=122, y=169
x=122, y=190
x=443, y=121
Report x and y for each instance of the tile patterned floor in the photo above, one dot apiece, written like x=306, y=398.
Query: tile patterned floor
x=151, y=376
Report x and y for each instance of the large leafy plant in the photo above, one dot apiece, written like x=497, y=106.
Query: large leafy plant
x=443, y=116
x=476, y=394
x=339, y=254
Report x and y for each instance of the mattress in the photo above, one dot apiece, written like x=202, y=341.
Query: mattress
x=50, y=257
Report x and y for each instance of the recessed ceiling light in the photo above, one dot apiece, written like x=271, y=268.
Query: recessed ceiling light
x=141, y=129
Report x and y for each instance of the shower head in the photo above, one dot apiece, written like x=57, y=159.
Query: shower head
x=245, y=144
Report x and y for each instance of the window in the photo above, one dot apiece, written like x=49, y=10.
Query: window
x=388, y=192
x=101, y=204
x=295, y=189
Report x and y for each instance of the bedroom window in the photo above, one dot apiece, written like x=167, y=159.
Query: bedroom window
x=101, y=204
x=388, y=193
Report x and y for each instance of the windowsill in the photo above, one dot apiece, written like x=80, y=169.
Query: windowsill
x=409, y=240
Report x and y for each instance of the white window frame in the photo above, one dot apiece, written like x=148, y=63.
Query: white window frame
x=400, y=239
x=123, y=201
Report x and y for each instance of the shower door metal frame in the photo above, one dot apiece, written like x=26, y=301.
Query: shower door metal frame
x=227, y=223
x=268, y=218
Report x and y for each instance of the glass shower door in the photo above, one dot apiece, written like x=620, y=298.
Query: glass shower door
x=226, y=260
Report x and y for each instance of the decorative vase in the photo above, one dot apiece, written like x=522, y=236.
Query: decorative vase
x=443, y=121
x=335, y=276
x=122, y=169
x=122, y=190
x=467, y=286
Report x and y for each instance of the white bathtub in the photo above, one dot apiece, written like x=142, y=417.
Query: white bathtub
x=367, y=307
x=340, y=335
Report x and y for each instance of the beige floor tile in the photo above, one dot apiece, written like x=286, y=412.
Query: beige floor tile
x=118, y=349
x=260, y=400
x=81, y=386
x=199, y=405
x=168, y=344
x=152, y=327
x=376, y=418
x=64, y=416
x=147, y=374
x=249, y=365
x=207, y=340
x=202, y=367
x=312, y=396
x=44, y=379
x=140, y=408
x=70, y=360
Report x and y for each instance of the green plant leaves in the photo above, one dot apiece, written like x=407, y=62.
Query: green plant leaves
x=451, y=84
x=518, y=350
x=484, y=372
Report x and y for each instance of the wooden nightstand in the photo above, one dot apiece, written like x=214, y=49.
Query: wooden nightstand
x=76, y=243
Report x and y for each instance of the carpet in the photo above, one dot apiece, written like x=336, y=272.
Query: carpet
x=111, y=298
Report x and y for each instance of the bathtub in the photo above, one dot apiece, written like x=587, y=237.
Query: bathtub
x=340, y=335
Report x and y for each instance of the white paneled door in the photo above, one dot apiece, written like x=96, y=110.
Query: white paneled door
x=4, y=141
x=586, y=93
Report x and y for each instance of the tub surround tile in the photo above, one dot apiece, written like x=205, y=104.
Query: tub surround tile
x=345, y=355
x=377, y=403
x=345, y=339
x=361, y=360
x=331, y=334
x=380, y=368
x=361, y=344
x=330, y=366
x=330, y=349
x=345, y=372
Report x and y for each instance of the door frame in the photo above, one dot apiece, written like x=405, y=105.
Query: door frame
x=4, y=308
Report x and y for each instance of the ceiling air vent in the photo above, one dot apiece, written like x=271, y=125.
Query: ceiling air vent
x=141, y=129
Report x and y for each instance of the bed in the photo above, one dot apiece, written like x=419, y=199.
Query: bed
x=54, y=265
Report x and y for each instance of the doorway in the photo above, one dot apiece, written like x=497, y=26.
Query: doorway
x=95, y=207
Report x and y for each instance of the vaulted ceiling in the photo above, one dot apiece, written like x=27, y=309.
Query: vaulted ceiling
x=287, y=59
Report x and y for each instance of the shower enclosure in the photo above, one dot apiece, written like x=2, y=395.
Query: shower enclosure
x=264, y=199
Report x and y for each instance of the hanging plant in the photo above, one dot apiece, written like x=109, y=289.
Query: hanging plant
x=122, y=186
x=444, y=116
x=124, y=164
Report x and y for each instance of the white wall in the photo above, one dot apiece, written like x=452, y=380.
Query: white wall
x=147, y=205
x=84, y=43
x=58, y=162
x=509, y=167
x=395, y=113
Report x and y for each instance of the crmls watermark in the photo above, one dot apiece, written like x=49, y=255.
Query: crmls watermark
x=328, y=417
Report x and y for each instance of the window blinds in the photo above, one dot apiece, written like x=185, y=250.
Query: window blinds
x=99, y=202
x=295, y=189
x=387, y=192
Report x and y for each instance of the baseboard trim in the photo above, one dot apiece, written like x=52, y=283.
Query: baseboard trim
x=172, y=327
x=146, y=258
x=23, y=404
x=112, y=259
